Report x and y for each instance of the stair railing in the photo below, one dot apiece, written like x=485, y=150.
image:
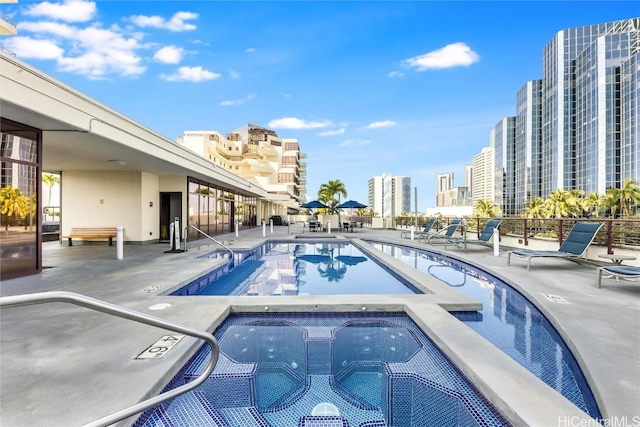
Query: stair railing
x=207, y=236
x=125, y=313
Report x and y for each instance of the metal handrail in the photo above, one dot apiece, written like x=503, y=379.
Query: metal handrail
x=206, y=235
x=125, y=313
x=294, y=224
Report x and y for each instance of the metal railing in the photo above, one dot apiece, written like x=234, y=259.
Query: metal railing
x=295, y=224
x=615, y=233
x=207, y=236
x=125, y=313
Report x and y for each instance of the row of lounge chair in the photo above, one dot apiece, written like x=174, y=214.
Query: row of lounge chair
x=573, y=248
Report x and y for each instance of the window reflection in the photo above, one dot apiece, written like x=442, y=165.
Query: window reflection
x=19, y=212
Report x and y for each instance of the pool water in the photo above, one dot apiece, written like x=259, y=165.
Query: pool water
x=509, y=321
x=324, y=369
x=299, y=269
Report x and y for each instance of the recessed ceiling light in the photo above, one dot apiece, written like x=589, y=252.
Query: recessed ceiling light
x=118, y=162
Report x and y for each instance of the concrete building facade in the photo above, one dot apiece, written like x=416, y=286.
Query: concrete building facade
x=389, y=195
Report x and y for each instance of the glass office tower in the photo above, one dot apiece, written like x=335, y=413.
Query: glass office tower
x=528, y=155
x=630, y=115
x=576, y=104
x=505, y=160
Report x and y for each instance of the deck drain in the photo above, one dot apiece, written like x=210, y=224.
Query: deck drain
x=555, y=298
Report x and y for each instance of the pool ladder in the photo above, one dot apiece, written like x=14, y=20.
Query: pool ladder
x=231, y=260
x=125, y=313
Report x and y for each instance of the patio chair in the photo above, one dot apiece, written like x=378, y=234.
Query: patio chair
x=575, y=246
x=426, y=230
x=443, y=235
x=618, y=271
x=484, y=239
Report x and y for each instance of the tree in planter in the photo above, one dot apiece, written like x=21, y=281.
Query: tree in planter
x=328, y=192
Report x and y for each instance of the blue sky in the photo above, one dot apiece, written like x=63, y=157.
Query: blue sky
x=407, y=88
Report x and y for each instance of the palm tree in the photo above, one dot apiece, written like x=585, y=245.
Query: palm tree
x=362, y=212
x=328, y=192
x=592, y=203
x=535, y=209
x=13, y=203
x=560, y=204
x=611, y=200
x=50, y=180
x=629, y=195
x=486, y=209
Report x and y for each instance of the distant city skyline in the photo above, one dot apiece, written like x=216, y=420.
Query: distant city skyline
x=406, y=88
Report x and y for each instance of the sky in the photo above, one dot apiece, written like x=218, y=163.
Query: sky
x=409, y=88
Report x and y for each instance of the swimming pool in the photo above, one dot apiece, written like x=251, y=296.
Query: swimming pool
x=324, y=369
x=288, y=268
x=509, y=321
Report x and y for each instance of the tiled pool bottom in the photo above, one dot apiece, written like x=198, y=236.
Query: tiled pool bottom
x=324, y=370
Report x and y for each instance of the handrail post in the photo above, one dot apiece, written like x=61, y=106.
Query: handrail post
x=560, y=235
x=526, y=233
x=610, y=236
x=207, y=236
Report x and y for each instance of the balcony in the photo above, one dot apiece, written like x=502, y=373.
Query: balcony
x=7, y=26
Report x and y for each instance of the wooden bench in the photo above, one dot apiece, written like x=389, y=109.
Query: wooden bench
x=91, y=233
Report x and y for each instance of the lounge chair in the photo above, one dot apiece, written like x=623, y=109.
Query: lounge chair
x=484, y=239
x=426, y=230
x=575, y=246
x=445, y=234
x=617, y=271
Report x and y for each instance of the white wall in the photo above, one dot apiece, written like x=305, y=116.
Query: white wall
x=103, y=199
x=149, y=207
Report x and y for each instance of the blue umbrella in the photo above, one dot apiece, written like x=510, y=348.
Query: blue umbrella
x=351, y=204
x=314, y=204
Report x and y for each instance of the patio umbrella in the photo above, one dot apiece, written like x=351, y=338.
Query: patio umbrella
x=315, y=259
x=314, y=204
x=351, y=204
x=350, y=259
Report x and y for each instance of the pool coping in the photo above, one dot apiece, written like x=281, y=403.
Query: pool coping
x=31, y=366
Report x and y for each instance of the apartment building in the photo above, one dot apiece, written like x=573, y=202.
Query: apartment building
x=388, y=195
x=258, y=155
x=483, y=172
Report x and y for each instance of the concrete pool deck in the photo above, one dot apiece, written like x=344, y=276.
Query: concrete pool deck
x=63, y=365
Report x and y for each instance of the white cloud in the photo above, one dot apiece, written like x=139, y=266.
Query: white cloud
x=355, y=142
x=234, y=74
x=96, y=51
x=396, y=75
x=191, y=74
x=237, y=101
x=53, y=28
x=26, y=47
x=176, y=23
x=295, y=123
x=332, y=132
x=68, y=10
x=250, y=50
x=381, y=124
x=453, y=55
x=169, y=54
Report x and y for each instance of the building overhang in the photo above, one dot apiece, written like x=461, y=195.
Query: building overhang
x=79, y=133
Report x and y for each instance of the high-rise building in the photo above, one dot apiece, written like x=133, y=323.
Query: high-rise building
x=259, y=156
x=444, y=183
x=528, y=156
x=388, y=195
x=505, y=179
x=483, y=175
x=582, y=111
